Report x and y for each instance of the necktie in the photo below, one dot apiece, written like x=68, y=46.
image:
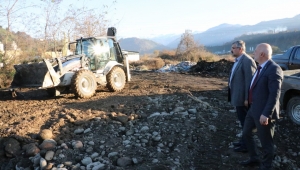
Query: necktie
x=252, y=85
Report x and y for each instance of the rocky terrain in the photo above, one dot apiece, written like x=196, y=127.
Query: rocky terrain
x=160, y=121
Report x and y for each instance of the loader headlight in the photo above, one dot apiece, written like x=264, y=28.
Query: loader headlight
x=96, y=49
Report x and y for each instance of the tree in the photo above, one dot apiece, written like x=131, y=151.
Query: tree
x=71, y=25
x=11, y=12
x=275, y=49
x=188, y=49
x=52, y=24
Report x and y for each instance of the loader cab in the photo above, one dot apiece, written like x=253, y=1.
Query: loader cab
x=99, y=51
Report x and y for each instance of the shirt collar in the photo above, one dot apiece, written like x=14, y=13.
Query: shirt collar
x=238, y=58
x=263, y=64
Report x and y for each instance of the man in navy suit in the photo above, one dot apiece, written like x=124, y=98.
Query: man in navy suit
x=238, y=83
x=264, y=93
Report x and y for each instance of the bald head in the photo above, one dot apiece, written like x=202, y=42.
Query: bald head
x=262, y=53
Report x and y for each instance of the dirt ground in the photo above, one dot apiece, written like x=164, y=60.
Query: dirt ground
x=159, y=121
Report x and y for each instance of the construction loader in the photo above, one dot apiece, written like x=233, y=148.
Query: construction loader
x=96, y=61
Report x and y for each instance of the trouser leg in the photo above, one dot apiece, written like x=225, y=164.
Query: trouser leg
x=241, y=114
x=265, y=135
x=248, y=137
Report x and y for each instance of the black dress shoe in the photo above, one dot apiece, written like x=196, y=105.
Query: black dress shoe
x=250, y=162
x=236, y=143
x=240, y=149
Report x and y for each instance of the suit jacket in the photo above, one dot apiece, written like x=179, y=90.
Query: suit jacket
x=241, y=79
x=266, y=92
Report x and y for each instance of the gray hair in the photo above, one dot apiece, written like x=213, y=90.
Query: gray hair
x=241, y=44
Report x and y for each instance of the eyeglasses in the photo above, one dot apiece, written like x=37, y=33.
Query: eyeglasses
x=235, y=47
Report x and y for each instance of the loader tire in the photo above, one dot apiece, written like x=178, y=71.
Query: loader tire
x=84, y=84
x=116, y=79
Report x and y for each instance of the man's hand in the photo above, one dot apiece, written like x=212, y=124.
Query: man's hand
x=246, y=103
x=263, y=120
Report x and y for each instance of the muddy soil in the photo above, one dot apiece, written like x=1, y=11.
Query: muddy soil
x=159, y=121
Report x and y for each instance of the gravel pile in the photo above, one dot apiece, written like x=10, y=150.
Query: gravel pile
x=114, y=140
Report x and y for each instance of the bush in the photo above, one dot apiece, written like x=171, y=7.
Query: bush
x=6, y=76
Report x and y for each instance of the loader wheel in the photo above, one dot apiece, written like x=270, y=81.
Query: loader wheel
x=84, y=84
x=116, y=79
x=293, y=109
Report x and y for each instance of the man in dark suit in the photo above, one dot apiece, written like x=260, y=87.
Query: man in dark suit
x=238, y=83
x=264, y=93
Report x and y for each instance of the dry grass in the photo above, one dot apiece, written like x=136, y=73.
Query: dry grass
x=168, y=57
x=227, y=57
x=147, y=63
x=172, y=62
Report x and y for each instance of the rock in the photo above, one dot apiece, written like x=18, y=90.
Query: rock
x=232, y=111
x=212, y=128
x=89, y=150
x=60, y=165
x=46, y=134
x=64, y=146
x=155, y=161
x=87, y=130
x=129, y=132
x=36, y=159
x=91, y=143
x=94, y=155
x=122, y=118
x=124, y=161
x=157, y=138
x=178, y=109
x=112, y=154
x=95, y=166
x=144, y=129
x=68, y=163
x=184, y=113
x=31, y=149
x=49, y=155
x=79, y=130
x=48, y=144
x=12, y=147
x=154, y=114
x=86, y=161
x=49, y=166
x=135, y=160
x=192, y=111
x=43, y=163
x=99, y=167
x=77, y=144
x=126, y=142
x=122, y=128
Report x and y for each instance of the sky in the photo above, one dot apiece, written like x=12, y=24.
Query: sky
x=150, y=18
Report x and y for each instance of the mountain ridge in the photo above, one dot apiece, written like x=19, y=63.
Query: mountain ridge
x=214, y=36
x=143, y=46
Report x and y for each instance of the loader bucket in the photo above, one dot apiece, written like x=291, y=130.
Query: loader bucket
x=35, y=75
